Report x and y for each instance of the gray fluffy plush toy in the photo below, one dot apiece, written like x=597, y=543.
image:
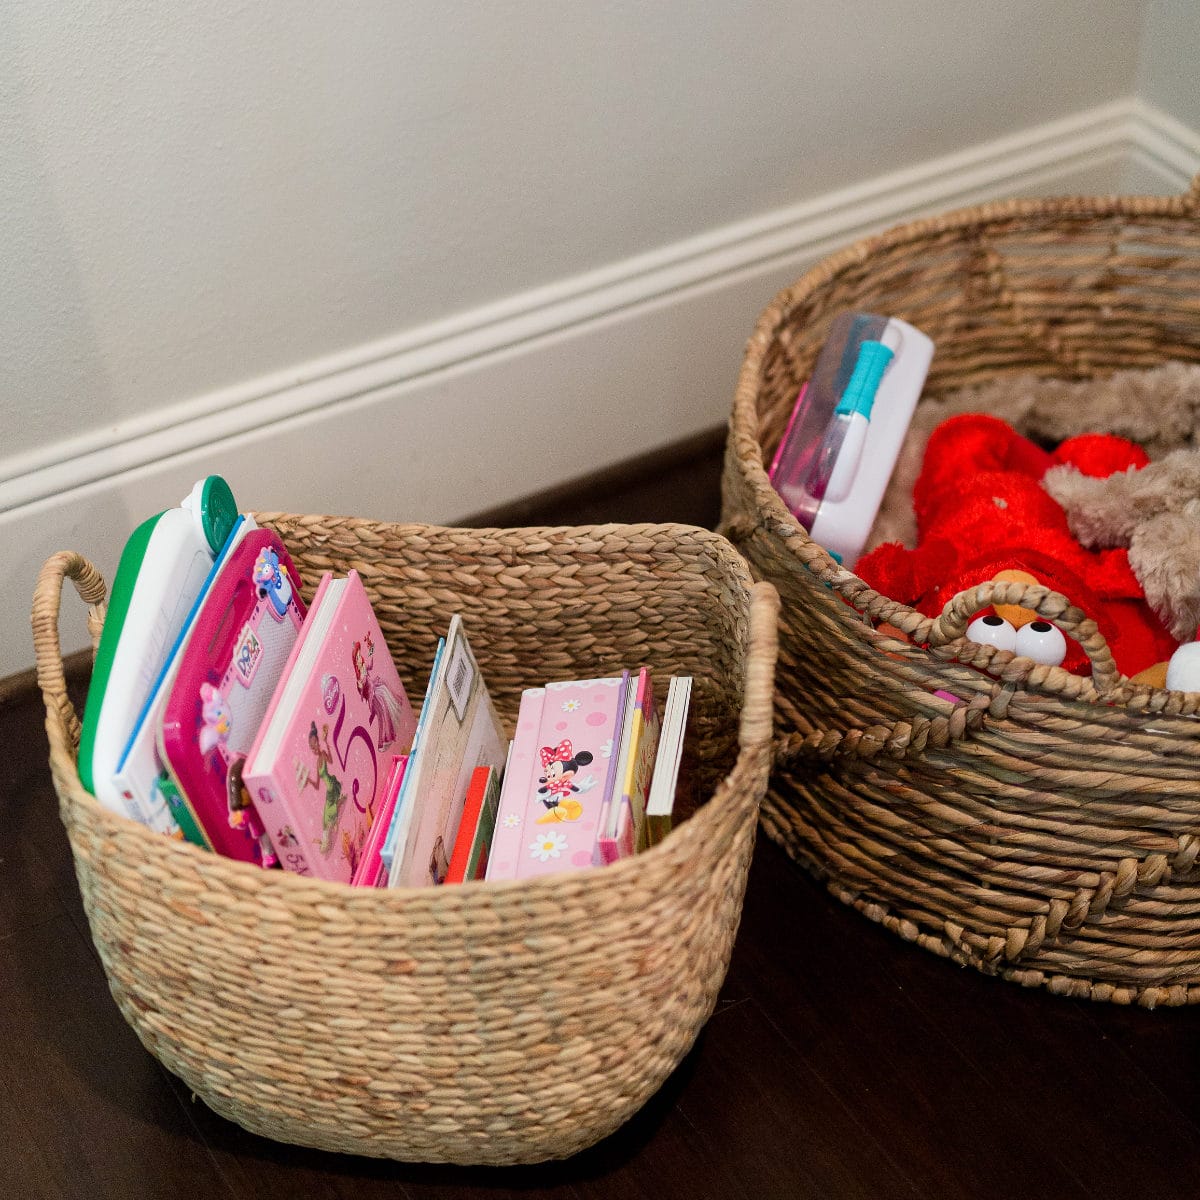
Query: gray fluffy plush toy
x=1157, y=407
x=1155, y=511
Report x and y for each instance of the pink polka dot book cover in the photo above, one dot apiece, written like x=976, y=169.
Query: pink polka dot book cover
x=561, y=770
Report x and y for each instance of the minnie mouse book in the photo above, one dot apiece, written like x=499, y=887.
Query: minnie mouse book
x=317, y=770
x=560, y=774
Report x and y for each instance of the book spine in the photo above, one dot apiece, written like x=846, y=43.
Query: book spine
x=512, y=813
x=135, y=785
x=481, y=845
x=621, y=844
x=644, y=775
x=657, y=828
x=608, y=850
x=273, y=813
x=604, y=849
x=149, y=806
x=456, y=873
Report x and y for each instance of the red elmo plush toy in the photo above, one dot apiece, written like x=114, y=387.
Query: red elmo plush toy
x=981, y=510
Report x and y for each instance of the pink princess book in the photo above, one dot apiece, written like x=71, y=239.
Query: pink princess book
x=317, y=771
x=561, y=771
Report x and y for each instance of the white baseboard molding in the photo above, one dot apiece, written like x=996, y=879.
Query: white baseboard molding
x=483, y=409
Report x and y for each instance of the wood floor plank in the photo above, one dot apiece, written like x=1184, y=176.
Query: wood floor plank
x=774, y=1125
x=836, y=995
x=1055, y=1068
x=96, y=1117
x=31, y=865
x=1157, y=1050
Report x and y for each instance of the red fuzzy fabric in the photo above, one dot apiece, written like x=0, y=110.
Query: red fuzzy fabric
x=980, y=509
x=1100, y=454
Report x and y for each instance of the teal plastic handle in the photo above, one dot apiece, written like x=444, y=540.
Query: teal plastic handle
x=859, y=396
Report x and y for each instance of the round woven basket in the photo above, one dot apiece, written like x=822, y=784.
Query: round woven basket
x=1045, y=828
x=481, y=1023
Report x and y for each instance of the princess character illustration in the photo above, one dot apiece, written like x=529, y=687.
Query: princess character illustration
x=384, y=708
x=439, y=862
x=334, y=795
x=561, y=764
x=350, y=852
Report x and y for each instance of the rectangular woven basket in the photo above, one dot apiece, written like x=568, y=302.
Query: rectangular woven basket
x=482, y=1023
x=1046, y=828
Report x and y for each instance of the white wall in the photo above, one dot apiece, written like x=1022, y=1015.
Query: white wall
x=1169, y=59
x=335, y=250
x=200, y=194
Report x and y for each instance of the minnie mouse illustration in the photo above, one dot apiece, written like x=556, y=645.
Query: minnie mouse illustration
x=561, y=764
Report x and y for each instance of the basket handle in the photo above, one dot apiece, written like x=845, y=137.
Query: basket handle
x=945, y=636
x=948, y=631
x=893, y=739
x=61, y=717
x=758, y=702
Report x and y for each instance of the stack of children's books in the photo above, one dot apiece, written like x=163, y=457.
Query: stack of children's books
x=224, y=711
x=578, y=785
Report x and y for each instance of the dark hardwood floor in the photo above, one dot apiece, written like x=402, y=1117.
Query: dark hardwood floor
x=841, y=1062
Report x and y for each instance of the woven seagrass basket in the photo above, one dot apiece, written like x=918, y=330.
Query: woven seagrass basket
x=1046, y=827
x=482, y=1023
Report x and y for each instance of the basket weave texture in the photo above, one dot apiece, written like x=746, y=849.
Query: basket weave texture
x=1046, y=827
x=483, y=1023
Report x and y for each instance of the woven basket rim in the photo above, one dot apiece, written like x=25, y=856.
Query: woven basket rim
x=992, y=212
x=527, y=536
x=774, y=515
x=733, y=792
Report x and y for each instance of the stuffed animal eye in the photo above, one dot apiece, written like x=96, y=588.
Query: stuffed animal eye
x=1183, y=671
x=992, y=631
x=1042, y=642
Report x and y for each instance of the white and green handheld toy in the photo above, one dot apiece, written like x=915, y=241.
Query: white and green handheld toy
x=162, y=569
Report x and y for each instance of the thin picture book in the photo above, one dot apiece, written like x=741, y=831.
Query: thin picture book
x=470, y=855
x=317, y=769
x=387, y=851
x=623, y=823
x=371, y=870
x=459, y=731
x=561, y=770
x=660, y=802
